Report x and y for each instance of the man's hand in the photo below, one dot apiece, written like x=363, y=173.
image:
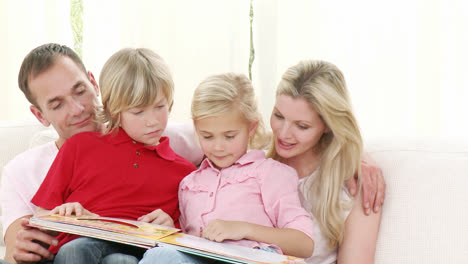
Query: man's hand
x=32, y=244
x=373, y=185
x=67, y=209
x=158, y=217
x=220, y=230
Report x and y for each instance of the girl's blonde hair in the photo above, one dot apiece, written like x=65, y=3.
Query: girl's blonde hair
x=322, y=84
x=222, y=93
x=132, y=78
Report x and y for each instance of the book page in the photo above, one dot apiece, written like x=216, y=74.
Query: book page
x=243, y=254
x=113, y=229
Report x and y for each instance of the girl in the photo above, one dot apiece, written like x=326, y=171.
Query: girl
x=126, y=172
x=315, y=132
x=237, y=196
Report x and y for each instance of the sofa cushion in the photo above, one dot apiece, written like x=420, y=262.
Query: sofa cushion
x=425, y=213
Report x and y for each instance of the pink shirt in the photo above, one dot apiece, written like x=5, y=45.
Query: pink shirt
x=254, y=189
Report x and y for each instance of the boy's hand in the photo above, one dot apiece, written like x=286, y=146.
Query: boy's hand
x=220, y=230
x=67, y=209
x=158, y=217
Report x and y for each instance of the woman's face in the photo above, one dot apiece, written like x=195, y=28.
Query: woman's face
x=297, y=127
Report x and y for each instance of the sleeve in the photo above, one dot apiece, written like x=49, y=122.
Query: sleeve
x=279, y=188
x=57, y=185
x=182, y=207
x=183, y=141
x=13, y=202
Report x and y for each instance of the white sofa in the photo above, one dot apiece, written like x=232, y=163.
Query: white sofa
x=425, y=215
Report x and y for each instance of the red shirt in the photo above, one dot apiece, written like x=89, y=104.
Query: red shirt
x=113, y=176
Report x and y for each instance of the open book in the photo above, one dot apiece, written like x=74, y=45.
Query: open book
x=149, y=235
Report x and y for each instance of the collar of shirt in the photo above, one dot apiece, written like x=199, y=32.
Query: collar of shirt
x=247, y=158
x=163, y=149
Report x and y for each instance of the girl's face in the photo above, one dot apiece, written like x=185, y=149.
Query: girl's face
x=146, y=124
x=297, y=127
x=224, y=139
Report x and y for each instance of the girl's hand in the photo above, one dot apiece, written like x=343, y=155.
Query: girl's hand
x=67, y=209
x=220, y=230
x=373, y=185
x=158, y=217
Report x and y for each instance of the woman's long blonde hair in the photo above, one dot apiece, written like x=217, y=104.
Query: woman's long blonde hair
x=322, y=84
x=222, y=93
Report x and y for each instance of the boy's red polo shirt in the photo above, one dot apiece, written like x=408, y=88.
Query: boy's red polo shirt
x=114, y=176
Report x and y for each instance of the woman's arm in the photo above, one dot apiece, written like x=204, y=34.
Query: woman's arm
x=291, y=241
x=360, y=236
x=373, y=185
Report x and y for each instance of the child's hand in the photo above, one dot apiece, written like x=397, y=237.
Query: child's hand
x=68, y=209
x=158, y=217
x=220, y=230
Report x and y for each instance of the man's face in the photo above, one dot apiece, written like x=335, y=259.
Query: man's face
x=65, y=96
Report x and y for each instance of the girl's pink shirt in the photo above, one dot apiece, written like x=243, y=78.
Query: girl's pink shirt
x=254, y=189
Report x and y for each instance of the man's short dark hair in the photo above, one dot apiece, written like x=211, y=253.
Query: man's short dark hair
x=40, y=60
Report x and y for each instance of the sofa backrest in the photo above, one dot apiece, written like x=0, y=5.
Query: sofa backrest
x=425, y=213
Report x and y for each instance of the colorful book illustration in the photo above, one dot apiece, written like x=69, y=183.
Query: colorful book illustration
x=150, y=235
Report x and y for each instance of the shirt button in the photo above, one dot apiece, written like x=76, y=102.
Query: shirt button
x=138, y=153
x=211, y=194
x=135, y=165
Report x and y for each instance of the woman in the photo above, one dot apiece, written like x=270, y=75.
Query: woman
x=315, y=132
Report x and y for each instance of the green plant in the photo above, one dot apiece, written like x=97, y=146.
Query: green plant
x=252, y=50
x=76, y=22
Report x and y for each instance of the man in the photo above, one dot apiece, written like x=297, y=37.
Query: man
x=62, y=94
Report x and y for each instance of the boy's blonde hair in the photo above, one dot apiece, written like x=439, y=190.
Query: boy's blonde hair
x=132, y=78
x=222, y=93
x=322, y=84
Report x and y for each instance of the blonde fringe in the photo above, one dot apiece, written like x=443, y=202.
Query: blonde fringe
x=221, y=93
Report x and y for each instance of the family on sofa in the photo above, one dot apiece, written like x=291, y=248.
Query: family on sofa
x=307, y=187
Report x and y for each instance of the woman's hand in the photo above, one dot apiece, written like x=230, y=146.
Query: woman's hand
x=220, y=230
x=158, y=217
x=373, y=185
x=67, y=209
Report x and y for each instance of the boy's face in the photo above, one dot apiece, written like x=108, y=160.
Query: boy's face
x=146, y=124
x=224, y=139
x=65, y=96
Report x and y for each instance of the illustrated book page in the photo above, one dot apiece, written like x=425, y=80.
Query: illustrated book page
x=148, y=235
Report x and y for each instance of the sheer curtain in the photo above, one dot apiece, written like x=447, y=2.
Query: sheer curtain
x=25, y=24
x=404, y=61
x=196, y=38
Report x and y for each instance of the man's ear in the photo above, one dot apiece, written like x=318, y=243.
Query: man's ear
x=93, y=82
x=253, y=128
x=38, y=114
